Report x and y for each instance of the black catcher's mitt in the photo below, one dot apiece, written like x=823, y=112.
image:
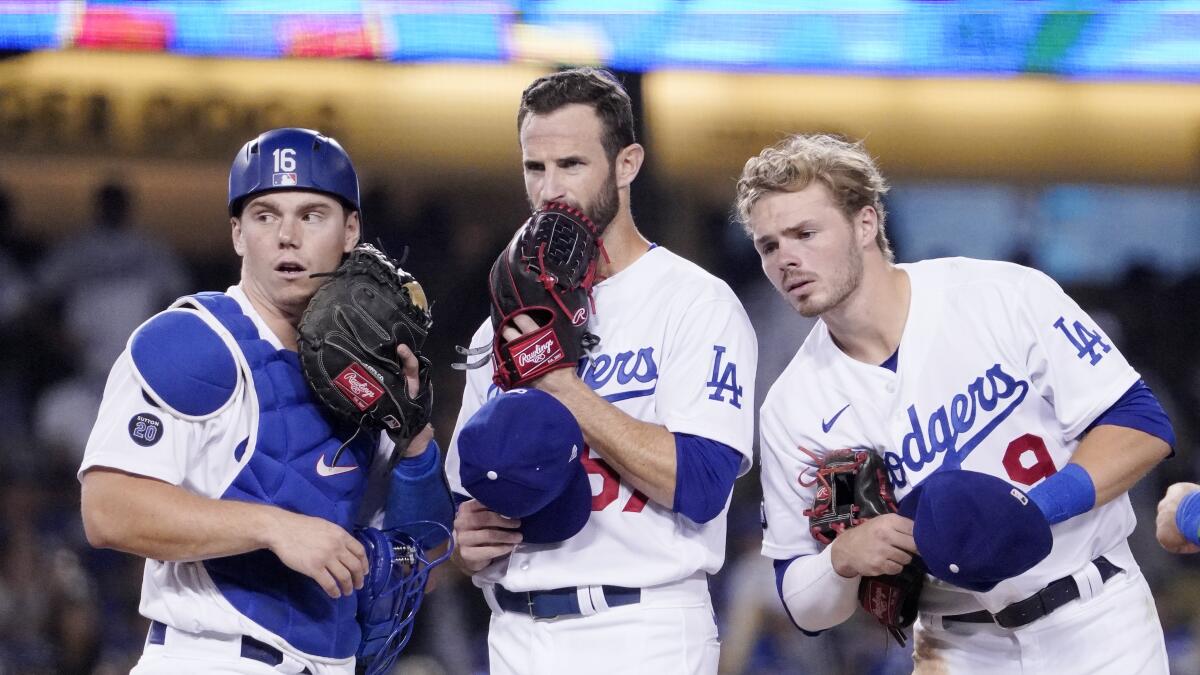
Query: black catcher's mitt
x=546, y=272
x=348, y=339
x=852, y=486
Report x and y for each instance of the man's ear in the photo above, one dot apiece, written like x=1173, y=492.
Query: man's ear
x=866, y=223
x=629, y=163
x=239, y=246
x=353, y=232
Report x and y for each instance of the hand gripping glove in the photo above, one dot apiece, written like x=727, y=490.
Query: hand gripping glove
x=391, y=594
x=348, y=339
x=852, y=486
x=546, y=272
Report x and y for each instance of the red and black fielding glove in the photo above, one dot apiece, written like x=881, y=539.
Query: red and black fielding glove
x=546, y=273
x=348, y=339
x=852, y=486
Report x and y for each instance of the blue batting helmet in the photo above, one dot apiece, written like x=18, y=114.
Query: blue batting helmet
x=292, y=159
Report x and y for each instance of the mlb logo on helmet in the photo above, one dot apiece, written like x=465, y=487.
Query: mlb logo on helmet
x=520, y=458
x=283, y=180
x=975, y=530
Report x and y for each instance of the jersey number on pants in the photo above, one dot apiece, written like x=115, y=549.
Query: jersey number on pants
x=610, y=484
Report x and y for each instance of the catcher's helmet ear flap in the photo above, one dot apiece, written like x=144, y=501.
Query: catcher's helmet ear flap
x=292, y=159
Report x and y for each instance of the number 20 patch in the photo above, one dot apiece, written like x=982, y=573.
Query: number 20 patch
x=145, y=429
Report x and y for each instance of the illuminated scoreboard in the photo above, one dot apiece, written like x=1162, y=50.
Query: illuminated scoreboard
x=1111, y=39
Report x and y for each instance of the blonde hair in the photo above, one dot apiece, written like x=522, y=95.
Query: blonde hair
x=794, y=163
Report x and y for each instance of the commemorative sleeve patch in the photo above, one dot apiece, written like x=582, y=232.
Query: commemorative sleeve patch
x=145, y=429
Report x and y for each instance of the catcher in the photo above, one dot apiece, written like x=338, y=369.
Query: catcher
x=250, y=496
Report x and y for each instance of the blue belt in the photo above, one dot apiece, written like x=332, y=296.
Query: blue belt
x=255, y=650
x=560, y=602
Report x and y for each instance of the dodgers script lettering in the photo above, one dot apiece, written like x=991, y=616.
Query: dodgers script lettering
x=956, y=429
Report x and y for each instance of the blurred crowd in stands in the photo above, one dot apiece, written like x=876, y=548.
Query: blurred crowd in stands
x=67, y=308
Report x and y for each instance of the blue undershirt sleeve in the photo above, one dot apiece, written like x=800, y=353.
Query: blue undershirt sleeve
x=418, y=492
x=1138, y=408
x=704, y=473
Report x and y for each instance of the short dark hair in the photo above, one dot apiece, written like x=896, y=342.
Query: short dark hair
x=595, y=87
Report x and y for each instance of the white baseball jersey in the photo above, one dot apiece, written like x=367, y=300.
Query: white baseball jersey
x=676, y=349
x=998, y=372
x=203, y=456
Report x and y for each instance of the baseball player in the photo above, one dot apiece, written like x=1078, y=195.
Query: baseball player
x=938, y=366
x=211, y=459
x=665, y=403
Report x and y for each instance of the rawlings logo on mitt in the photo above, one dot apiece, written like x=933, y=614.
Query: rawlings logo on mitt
x=546, y=273
x=348, y=339
x=852, y=486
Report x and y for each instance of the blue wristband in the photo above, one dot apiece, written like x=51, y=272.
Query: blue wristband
x=417, y=467
x=1066, y=494
x=1187, y=518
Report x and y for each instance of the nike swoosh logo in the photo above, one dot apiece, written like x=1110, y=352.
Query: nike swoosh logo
x=826, y=426
x=326, y=471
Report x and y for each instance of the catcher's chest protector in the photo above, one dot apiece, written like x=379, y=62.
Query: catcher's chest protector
x=289, y=466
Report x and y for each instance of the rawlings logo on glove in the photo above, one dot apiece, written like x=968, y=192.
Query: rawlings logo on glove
x=547, y=352
x=359, y=387
x=545, y=273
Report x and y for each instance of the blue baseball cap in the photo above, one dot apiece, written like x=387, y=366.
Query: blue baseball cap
x=975, y=530
x=520, y=458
